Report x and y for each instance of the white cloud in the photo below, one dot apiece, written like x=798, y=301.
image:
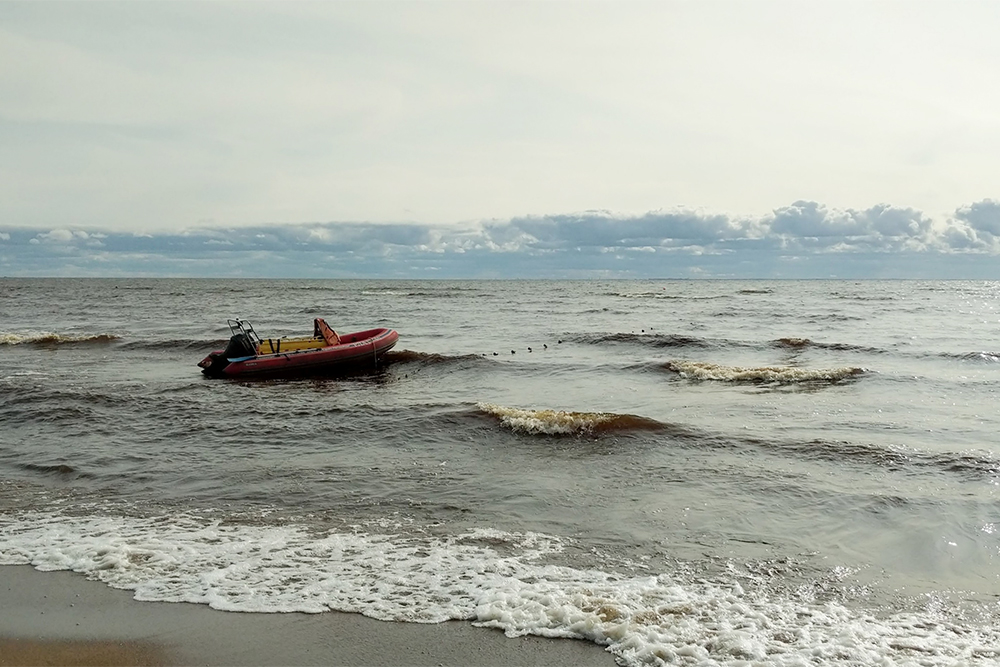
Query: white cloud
x=803, y=239
x=60, y=236
x=878, y=228
x=983, y=216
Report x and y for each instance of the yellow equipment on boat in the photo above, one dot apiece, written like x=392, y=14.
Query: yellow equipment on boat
x=275, y=345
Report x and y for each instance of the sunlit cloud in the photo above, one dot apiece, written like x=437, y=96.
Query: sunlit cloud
x=803, y=239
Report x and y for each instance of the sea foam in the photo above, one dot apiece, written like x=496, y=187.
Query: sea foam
x=762, y=374
x=50, y=338
x=561, y=422
x=489, y=577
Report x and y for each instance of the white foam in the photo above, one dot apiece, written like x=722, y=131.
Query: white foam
x=771, y=374
x=489, y=577
x=51, y=338
x=553, y=422
x=563, y=422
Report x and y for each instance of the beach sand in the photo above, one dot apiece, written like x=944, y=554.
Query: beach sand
x=61, y=618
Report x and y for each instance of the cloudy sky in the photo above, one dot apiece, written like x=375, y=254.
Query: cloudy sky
x=756, y=138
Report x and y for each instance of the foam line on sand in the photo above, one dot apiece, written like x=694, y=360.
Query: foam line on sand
x=61, y=618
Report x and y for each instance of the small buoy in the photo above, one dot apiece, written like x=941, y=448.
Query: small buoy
x=529, y=349
x=545, y=345
x=560, y=342
x=513, y=352
x=495, y=354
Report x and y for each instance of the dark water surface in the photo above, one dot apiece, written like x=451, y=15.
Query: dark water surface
x=690, y=472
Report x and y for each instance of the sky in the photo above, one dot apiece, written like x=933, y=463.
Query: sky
x=480, y=139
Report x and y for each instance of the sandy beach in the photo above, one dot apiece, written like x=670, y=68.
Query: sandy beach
x=61, y=618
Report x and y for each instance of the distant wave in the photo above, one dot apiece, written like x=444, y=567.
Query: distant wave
x=176, y=344
x=666, y=294
x=969, y=465
x=695, y=370
x=452, y=291
x=47, y=338
x=755, y=291
x=559, y=422
x=988, y=357
x=800, y=343
x=861, y=297
x=647, y=339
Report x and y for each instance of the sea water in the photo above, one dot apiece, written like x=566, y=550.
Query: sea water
x=686, y=472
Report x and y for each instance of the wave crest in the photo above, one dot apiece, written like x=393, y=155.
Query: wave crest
x=648, y=339
x=801, y=343
x=561, y=422
x=45, y=338
x=988, y=357
x=424, y=359
x=696, y=370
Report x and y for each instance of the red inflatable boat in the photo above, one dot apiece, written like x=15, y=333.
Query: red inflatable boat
x=324, y=353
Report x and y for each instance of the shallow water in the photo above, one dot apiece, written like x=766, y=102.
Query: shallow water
x=690, y=472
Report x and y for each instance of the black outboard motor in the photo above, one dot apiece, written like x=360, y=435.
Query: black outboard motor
x=240, y=345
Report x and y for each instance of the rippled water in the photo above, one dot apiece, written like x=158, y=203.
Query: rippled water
x=691, y=472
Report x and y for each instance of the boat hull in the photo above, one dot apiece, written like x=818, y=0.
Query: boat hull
x=357, y=351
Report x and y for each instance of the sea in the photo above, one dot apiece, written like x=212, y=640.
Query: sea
x=686, y=472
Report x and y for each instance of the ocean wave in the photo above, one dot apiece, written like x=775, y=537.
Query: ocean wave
x=560, y=422
x=48, y=338
x=645, y=338
x=667, y=295
x=25, y=374
x=207, y=344
x=428, y=359
x=862, y=298
x=847, y=452
x=491, y=578
x=802, y=343
x=695, y=370
x=54, y=469
x=987, y=357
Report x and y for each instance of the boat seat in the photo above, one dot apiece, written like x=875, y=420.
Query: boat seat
x=322, y=329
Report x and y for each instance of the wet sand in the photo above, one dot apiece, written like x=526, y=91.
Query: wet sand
x=61, y=618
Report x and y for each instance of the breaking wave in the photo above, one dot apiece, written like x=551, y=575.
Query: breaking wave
x=491, y=578
x=47, y=338
x=560, y=422
x=695, y=370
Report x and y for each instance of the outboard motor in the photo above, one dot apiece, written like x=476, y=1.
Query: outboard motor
x=239, y=346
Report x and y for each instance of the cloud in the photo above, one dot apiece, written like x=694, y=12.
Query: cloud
x=803, y=239
x=983, y=216
x=601, y=229
x=879, y=228
x=974, y=228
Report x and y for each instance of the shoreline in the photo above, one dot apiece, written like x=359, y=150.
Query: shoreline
x=62, y=618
